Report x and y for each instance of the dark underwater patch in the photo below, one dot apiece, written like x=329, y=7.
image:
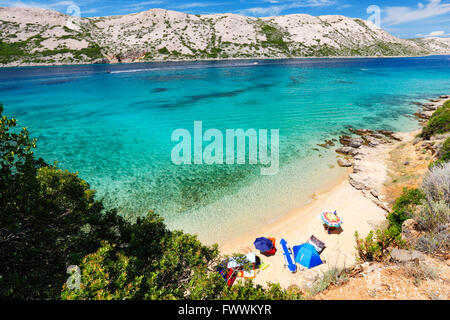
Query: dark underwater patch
x=155, y=90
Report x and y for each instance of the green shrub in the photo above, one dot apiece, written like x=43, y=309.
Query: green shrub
x=50, y=220
x=443, y=155
x=439, y=122
x=164, y=51
x=403, y=209
x=375, y=246
x=274, y=36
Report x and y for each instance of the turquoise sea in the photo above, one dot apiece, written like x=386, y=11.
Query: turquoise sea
x=113, y=124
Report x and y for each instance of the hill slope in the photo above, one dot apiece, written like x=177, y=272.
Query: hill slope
x=37, y=36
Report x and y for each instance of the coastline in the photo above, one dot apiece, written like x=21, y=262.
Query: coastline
x=212, y=59
x=361, y=208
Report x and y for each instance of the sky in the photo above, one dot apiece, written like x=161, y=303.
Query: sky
x=402, y=18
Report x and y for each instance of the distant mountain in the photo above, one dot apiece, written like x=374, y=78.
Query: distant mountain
x=31, y=36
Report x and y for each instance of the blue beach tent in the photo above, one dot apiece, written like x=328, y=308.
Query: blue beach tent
x=307, y=256
x=288, y=257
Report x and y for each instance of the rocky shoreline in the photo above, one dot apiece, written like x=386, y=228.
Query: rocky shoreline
x=365, y=152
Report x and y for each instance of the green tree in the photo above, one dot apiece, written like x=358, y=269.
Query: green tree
x=48, y=219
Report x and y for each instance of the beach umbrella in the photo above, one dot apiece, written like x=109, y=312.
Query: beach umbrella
x=331, y=219
x=306, y=255
x=263, y=244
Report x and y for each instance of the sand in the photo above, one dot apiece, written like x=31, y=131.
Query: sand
x=358, y=213
x=359, y=210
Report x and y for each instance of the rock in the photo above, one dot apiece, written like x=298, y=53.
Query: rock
x=361, y=132
x=356, y=143
x=358, y=182
x=344, y=162
x=429, y=107
x=402, y=255
x=423, y=114
x=429, y=146
x=444, y=97
x=347, y=151
x=344, y=140
x=416, y=140
x=350, y=142
x=377, y=135
x=389, y=134
x=434, y=100
x=374, y=193
x=356, y=168
x=327, y=144
x=410, y=232
x=406, y=163
x=371, y=141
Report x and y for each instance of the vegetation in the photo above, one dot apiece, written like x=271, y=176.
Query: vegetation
x=439, y=122
x=334, y=276
x=433, y=215
x=50, y=220
x=21, y=50
x=274, y=36
x=376, y=244
x=443, y=155
x=429, y=205
x=403, y=209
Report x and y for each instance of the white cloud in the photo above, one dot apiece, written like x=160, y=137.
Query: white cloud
x=400, y=15
x=58, y=5
x=286, y=5
x=192, y=5
x=440, y=33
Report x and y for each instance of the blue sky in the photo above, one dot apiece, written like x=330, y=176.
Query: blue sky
x=403, y=18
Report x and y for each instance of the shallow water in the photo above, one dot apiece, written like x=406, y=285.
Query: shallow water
x=113, y=125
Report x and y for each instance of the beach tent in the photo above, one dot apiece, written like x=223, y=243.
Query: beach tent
x=307, y=256
x=263, y=244
x=288, y=258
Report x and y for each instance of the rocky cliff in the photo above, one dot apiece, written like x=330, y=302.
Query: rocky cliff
x=31, y=36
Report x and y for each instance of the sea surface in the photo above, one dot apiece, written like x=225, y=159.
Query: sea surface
x=113, y=124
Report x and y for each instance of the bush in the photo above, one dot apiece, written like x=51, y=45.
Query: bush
x=433, y=216
x=333, y=276
x=403, y=209
x=49, y=219
x=439, y=122
x=443, y=155
x=436, y=183
x=375, y=246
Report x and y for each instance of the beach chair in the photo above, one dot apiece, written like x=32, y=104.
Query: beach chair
x=317, y=244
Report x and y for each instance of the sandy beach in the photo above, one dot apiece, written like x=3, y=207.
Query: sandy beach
x=359, y=210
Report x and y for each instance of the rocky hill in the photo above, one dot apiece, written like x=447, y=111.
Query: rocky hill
x=31, y=36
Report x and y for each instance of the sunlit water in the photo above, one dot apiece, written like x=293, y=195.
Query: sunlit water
x=113, y=125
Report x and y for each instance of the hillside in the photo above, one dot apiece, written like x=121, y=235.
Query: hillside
x=31, y=36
